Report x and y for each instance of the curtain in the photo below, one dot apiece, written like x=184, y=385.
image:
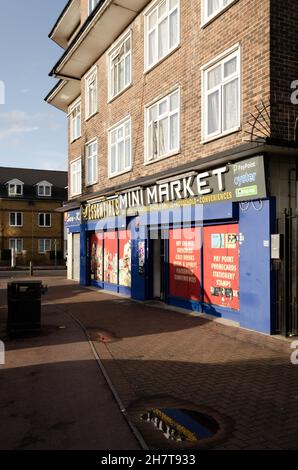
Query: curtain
x=230, y=103
x=213, y=112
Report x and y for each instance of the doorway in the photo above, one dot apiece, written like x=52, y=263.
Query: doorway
x=158, y=267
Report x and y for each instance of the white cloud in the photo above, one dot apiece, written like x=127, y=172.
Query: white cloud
x=17, y=122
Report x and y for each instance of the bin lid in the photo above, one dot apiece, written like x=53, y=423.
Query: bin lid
x=23, y=283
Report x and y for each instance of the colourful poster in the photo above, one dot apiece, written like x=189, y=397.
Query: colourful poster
x=124, y=258
x=221, y=265
x=185, y=263
x=111, y=257
x=96, y=257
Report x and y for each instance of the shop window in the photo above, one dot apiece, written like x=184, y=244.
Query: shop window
x=185, y=263
x=221, y=265
x=110, y=257
x=162, y=31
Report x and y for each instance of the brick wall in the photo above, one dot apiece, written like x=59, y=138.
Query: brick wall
x=245, y=22
x=30, y=232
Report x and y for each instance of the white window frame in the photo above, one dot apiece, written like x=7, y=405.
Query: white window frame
x=16, y=218
x=112, y=54
x=148, y=158
x=75, y=133
x=205, y=19
x=44, y=240
x=119, y=125
x=12, y=188
x=221, y=59
x=90, y=181
x=44, y=214
x=91, y=5
x=154, y=7
x=41, y=189
x=77, y=161
x=16, y=240
x=89, y=79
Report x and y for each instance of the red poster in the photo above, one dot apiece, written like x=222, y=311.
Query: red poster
x=111, y=257
x=124, y=258
x=185, y=262
x=96, y=256
x=221, y=265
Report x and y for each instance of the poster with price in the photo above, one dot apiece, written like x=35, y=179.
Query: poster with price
x=185, y=263
x=111, y=257
x=96, y=256
x=124, y=258
x=221, y=265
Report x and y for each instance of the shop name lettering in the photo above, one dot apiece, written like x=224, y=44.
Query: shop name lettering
x=184, y=188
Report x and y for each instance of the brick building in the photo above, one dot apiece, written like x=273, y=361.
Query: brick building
x=183, y=111
x=29, y=223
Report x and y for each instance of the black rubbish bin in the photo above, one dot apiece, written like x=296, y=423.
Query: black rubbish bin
x=24, y=305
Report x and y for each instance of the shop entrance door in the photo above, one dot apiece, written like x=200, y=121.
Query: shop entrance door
x=158, y=268
x=76, y=256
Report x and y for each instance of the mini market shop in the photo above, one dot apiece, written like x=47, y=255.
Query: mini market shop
x=198, y=240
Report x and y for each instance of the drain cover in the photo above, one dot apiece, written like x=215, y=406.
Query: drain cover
x=181, y=424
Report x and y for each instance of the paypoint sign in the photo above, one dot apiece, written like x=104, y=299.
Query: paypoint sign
x=239, y=181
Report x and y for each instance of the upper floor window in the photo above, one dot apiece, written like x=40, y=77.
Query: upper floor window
x=75, y=121
x=162, y=31
x=16, y=219
x=44, y=220
x=162, y=127
x=91, y=162
x=15, y=188
x=120, y=66
x=44, y=189
x=76, y=177
x=91, y=5
x=221, y=95
x=212, y=7
x=120, y=148
x=91, y=94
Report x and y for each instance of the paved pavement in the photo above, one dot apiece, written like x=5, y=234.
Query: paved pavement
x=53, y=394
x=158, y=356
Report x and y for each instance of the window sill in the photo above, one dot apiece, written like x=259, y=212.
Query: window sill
x=87, y=185
x=120, y=173
x=113, y=98
x=164, y=157
x=207, y=21
x=87, y=118
x=153, y=66
x=220, y=136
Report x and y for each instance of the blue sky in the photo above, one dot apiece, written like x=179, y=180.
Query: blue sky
x=33, y=134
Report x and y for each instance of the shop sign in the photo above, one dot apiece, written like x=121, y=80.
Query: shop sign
x=239, y=181
x=72, y=218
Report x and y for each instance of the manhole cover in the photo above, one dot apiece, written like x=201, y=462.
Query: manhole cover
x=167, y=422
x=181, y=424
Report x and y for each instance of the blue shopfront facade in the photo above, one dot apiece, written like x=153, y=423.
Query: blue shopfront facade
x=149, y=252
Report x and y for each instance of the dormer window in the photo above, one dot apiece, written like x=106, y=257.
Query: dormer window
x=15, y=188
x=44, y=189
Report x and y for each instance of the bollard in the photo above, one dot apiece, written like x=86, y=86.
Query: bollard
x=31, y=268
